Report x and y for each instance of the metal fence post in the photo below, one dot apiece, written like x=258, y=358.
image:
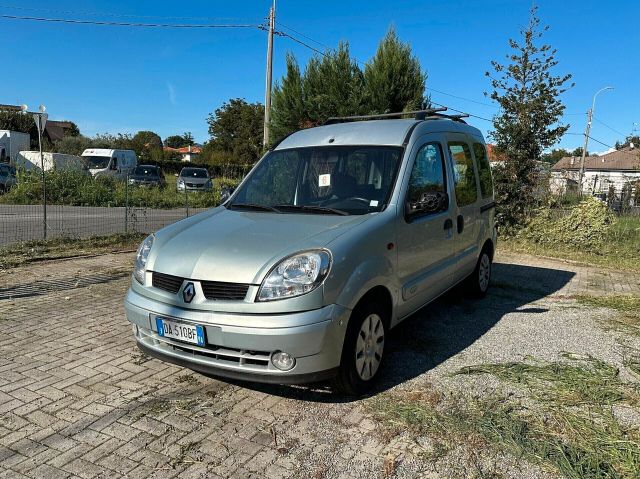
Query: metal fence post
x=126, y=206
x=186, y=199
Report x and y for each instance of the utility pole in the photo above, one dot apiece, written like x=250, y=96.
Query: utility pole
x=586, y=137
x=267, y=87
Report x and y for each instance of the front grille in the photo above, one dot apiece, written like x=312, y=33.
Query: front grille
x=228, y=291
x=166, y=282
x=195, y=185
x=211, y=289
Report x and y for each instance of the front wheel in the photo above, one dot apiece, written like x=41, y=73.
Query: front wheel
x=363, y=351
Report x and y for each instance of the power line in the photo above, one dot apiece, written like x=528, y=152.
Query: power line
x=297, y=40
x=611, y=128
x=461, y=97
x=132, y=24
x=112, y=14
x=590, y=137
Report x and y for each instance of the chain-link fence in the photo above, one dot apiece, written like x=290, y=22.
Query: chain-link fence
x=80, y=206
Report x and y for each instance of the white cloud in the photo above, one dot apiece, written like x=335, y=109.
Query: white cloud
x=600, y=153
x=172, y=93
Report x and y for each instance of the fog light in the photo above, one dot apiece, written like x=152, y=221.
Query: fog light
x=283, y=361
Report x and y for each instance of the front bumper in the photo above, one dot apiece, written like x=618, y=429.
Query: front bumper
x=240, y=346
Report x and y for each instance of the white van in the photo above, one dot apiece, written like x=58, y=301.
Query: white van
x=106, y=162
x=30, y=160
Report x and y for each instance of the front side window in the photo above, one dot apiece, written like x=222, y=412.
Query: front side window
x=484, y=170
x=463, y=174
x=427, y=181
x=347, y=179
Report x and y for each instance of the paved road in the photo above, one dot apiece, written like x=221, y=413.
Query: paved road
x=77, y=399
x=24, y=222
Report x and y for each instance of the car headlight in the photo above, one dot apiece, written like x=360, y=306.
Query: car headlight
x=141, y=258
x=296, y=275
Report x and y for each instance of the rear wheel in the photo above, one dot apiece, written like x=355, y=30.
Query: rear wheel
x=363, y=350
x=478, y=282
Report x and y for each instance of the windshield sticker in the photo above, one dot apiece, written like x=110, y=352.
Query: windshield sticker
x=324, y=180
x=373, y=203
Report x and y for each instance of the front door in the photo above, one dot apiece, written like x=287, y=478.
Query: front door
x=467, y=208
x=425, y=229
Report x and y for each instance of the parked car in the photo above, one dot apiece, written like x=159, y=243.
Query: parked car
x=194, y=179
x=338, y=234
x=147, y=175
x=107, y=162
x=7, y=177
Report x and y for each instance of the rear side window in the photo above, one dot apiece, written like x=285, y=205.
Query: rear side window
x=484, y=170
x=463, y=173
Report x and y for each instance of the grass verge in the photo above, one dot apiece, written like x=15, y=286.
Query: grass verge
x=30, y=251
x=620, y=248
x=565, y=422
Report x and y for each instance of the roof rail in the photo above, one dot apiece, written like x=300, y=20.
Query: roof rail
x=415, y=114
x=429, y=113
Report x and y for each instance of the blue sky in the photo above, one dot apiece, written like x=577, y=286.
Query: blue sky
x=118, y=79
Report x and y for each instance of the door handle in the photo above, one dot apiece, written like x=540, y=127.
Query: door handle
x=460, y=221
x=448, y=224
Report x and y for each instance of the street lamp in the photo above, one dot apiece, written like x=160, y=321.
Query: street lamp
x=586, y=135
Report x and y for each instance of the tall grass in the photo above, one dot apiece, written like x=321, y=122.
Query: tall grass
x=76, y=189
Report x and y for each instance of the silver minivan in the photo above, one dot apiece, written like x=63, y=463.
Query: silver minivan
x=335, y=236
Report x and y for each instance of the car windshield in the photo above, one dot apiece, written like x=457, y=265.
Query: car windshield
x=96, y=162
x=326, y=179
x=194, y=173
x=145, y=171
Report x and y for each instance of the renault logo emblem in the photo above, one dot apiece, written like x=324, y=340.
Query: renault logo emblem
x=188, y=292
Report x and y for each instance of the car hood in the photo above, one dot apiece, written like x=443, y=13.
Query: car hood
x=239, y=246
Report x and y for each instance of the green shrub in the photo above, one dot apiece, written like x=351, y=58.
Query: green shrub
x=76, y=189
x=585, y=226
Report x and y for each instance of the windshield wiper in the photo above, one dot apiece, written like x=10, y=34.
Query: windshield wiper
x=253, y=206
x=312, y=209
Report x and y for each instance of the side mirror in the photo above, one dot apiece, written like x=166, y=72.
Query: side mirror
x=430, y=202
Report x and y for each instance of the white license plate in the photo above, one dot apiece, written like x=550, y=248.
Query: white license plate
x=189, y=333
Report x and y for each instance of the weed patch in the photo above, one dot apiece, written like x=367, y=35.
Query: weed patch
x=627, y=306
x=30, y=251
x=565, y=421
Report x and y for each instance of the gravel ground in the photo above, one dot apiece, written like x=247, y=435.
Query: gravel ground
x=88, y=404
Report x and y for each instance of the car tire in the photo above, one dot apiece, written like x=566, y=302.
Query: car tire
x=363, y=350
x=478, y=282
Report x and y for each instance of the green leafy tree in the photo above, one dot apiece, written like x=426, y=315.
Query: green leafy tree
x=236, y=129
x=72, y=145
x=179, y=141
x=530, y=108
x=72, y=130
x=394, y=80
x=147, y=145
x=555, y=155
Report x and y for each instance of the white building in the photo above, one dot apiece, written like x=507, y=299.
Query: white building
x=602, y=174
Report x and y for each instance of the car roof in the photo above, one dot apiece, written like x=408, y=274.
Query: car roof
x=372, y=132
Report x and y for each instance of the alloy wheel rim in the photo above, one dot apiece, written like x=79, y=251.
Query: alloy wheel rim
x=484, y=272
x=369, y=347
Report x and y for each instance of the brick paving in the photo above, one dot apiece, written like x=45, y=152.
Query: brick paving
x=77, y=398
